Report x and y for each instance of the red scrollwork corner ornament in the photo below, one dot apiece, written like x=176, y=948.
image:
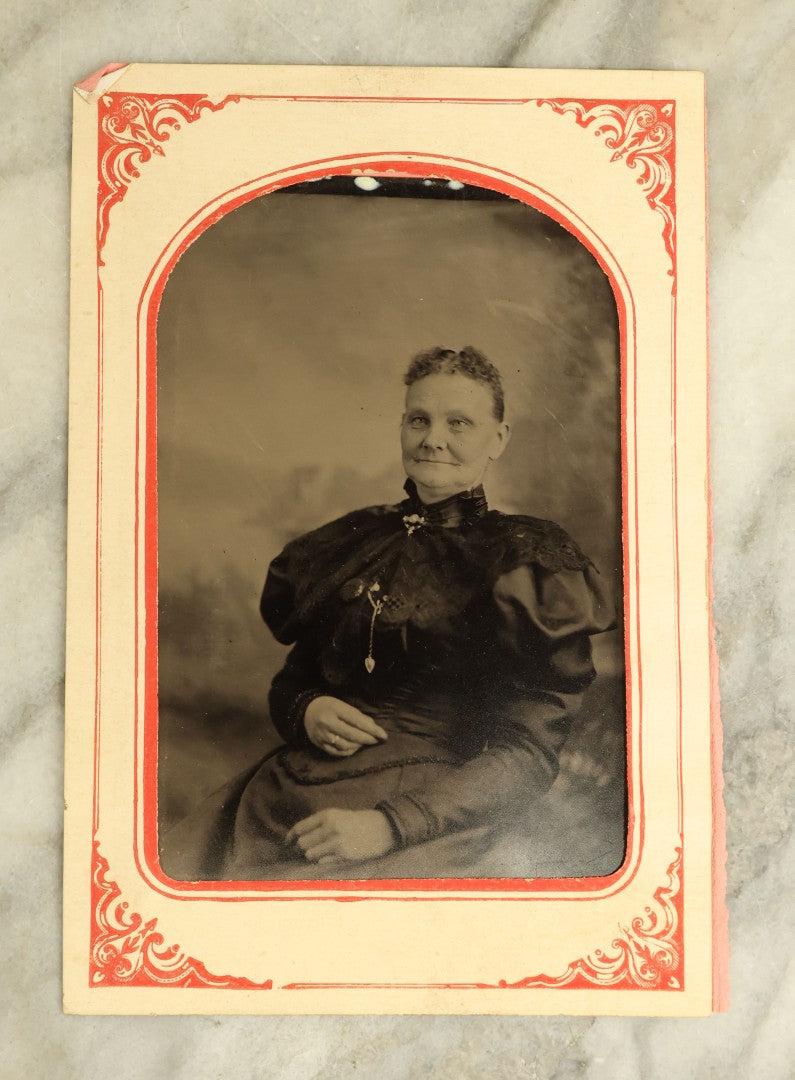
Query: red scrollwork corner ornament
x=646, y=955
x=641, y=134
x=132, y=129
x=127, y=950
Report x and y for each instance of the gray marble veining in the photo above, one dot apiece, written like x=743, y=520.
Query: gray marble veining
x=746, y=51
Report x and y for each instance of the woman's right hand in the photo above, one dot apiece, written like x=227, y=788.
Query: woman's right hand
x=340, y=729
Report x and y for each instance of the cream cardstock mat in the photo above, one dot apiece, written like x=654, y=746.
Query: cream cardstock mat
x=619, y=158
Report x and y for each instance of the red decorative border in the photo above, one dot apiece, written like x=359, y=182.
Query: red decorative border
x=235, y=891
x=127, y=951
x=133, y=127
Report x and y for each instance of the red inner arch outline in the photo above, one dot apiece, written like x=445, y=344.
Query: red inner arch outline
x=574, y=888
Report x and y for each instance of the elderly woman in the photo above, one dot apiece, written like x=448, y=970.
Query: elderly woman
x=439, y=653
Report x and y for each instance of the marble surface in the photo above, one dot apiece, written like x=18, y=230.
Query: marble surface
x=746, y=51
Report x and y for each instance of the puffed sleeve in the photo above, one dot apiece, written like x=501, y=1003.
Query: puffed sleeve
x=545, y=625
x=300, y=680
x=540, y=666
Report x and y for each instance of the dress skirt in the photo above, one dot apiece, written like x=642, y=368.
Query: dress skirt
x=238, y=833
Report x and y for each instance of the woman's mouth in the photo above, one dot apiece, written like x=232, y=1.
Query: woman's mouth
x=433, y=461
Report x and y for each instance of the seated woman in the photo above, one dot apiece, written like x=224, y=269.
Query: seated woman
x=439, y=653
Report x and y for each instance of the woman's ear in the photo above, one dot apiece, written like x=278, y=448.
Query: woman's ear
x=502, y=437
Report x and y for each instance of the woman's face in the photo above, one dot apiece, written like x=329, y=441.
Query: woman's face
x=449, y=434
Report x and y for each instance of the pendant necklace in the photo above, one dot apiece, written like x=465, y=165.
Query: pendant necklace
x=377, y=604
x=411, y=522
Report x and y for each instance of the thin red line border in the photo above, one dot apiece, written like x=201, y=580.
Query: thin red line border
x=146, y=854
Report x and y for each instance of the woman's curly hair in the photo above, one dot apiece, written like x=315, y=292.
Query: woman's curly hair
x=469, y=362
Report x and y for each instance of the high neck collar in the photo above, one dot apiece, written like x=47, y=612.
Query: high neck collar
x=459, y=509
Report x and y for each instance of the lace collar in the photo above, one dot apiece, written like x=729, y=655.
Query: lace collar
x=459, y=509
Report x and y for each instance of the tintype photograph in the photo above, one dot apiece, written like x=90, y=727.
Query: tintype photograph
x=389, y=672
x=390, y=559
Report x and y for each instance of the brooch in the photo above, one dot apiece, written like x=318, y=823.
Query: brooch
x=413, y=522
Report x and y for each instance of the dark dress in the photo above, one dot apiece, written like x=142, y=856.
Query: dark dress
x=464, y=633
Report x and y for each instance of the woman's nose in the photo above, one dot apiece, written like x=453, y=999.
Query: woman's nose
x=434, y=437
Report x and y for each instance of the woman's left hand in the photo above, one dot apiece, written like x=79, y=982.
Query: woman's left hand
x=334, y=836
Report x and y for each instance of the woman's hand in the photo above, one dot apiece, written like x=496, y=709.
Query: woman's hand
x=339, y=729
x=341, y=836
